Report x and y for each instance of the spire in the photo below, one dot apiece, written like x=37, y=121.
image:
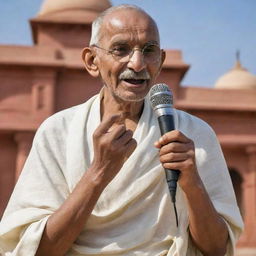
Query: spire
x=238, y=62
x=238, y=55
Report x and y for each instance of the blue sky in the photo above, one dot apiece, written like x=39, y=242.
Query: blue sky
x=208, y=32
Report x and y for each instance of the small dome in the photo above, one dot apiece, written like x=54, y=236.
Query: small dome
x=50, y=6
x=237, y=78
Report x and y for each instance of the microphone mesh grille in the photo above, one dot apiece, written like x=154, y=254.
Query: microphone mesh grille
x=159, y=88
x=160, y=94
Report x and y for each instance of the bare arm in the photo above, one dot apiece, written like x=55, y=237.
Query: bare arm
x=208, y=231
x=112, y=144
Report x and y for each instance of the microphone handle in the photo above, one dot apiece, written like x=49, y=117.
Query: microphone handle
x=166, y=124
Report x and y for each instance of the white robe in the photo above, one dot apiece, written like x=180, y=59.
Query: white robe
x=134, y=214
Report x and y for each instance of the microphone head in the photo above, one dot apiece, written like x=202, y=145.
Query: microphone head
x=161, y=99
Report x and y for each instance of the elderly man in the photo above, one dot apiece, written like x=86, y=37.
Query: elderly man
x=94, y=182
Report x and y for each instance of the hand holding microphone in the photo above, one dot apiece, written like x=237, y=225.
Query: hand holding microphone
x=176, y=151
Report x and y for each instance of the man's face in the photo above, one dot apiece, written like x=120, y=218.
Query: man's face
x=130, y=80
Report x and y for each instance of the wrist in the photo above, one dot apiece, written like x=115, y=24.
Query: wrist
x=191, y=183
x=95, y=177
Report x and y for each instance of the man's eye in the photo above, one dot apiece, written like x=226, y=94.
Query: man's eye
x=120, y=50
x=150, y=49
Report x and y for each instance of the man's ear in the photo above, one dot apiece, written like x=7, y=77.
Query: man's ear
x=163, y=54
x=90, y=62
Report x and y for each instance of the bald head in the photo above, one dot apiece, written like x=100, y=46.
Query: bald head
x=116, y=15
x=125, y=52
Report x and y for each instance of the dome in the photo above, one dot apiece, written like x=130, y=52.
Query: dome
x=53, y=6
x=71, y=11
x=237, y=78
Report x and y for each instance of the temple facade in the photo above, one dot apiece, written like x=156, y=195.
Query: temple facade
x=37, y=81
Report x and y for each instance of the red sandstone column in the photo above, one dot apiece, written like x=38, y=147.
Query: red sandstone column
x=43, y=105
x=24, y=142
x=249, y=237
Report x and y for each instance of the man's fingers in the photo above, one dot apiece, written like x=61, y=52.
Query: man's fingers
x=131, y=145
x=176, y=147
x=125, y=137
x=117, y=131
x=174, y=157
x=107, y=123
x=188, y=164
x=172, y=136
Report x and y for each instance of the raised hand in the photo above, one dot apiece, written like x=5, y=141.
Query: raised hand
x=113, y=144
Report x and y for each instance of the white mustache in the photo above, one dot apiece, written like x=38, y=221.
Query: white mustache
x=130, y=74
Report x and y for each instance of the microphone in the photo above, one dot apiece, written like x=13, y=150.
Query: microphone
x=162, y=103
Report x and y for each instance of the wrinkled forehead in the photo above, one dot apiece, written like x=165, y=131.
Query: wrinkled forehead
x=129, y=21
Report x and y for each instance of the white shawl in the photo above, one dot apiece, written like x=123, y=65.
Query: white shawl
x=134, y=215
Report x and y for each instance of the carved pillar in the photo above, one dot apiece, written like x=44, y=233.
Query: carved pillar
x=249, y=187
x=24, y=142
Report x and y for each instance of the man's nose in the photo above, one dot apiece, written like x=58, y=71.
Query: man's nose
x=136, y=61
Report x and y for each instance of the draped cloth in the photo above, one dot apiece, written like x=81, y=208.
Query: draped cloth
x=134, y=214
